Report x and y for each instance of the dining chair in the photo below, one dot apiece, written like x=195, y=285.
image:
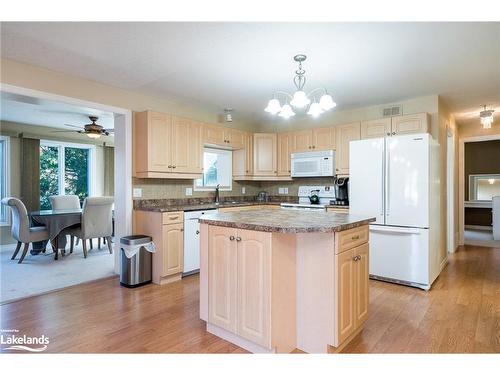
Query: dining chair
x=97, y=215
x=65, y=202
x=21, y=230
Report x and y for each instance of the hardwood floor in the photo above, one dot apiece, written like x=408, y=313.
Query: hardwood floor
x=460, y=314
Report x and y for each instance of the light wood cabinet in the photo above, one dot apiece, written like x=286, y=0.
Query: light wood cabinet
x=408, y=124
x=166, y=146
x=254, y=286
x=351, y=283
x=265, y=154
x=345, y=134
x=317, y=139
x=214, y=135
x=243, y=159
x=222, y=281
x=324, y=139
x=376, y=128
x=236, y=138
x=167, y=232
x=243, y=276
x=284, y=154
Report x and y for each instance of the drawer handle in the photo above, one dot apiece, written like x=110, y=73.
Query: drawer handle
x=356, y=258
x=238, y=239
x=231, y=238
x=356, y=237
x=173, y=218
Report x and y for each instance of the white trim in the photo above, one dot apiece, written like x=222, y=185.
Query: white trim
x=123, y=155
x=461, y=179
x=6, y=168
x=450, y=183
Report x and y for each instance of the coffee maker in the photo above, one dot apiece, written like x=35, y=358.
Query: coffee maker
x=341, y=185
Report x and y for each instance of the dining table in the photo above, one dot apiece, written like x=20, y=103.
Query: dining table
x=56, y=221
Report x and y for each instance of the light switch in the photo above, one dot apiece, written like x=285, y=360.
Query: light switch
x=137, y=193
x=285, y=190
x=189, y=191
x=243, y=190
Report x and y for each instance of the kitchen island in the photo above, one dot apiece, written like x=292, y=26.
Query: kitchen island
x=278, y=280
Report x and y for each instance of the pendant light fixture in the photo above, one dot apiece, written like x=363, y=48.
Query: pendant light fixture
x=301, y=101
x=486, y=117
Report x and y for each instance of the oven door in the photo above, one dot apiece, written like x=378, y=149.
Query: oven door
x=306, y=167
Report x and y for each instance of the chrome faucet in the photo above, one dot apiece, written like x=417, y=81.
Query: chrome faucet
x=217, y=194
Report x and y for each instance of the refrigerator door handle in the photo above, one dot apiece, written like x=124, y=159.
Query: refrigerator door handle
x=387, y=178
x=395, y=230
x=382, y=213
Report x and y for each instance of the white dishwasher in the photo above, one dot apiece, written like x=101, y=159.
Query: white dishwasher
x=192, y=241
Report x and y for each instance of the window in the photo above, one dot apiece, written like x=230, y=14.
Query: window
x=4, y=177
x=483, y=187
x=217, y=169
x=65, y=168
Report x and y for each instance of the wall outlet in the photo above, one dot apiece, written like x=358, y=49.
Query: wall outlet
x=243, y=190
x=189, y=191
x=281, y=190
x=137, y=193
x=286, y=190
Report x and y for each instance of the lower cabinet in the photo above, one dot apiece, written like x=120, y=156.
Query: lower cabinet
x=351, y=283
x=173, y=249
x=241, y=284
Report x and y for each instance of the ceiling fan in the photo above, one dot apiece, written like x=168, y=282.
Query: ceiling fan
x=92, y=130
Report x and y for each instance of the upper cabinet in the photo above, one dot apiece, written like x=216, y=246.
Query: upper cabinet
x=318, y=139
x=345, y=134
x=243, y=159
x=166, y=146
x=398, y=125
x=265, y=154
x=284, y=152
x=408, y=124
x=220, y=136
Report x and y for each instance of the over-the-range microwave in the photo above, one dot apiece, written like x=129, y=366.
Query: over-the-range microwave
x=313, y=164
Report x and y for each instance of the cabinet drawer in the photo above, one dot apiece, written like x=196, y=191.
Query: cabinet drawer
x=173, y=217
x=350, y=238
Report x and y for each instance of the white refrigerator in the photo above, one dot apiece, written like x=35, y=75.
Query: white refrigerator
x=396, y=180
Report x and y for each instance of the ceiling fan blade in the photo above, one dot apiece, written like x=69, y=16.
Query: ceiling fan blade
x=109, y=130
x=75, y=126
x=64, y=131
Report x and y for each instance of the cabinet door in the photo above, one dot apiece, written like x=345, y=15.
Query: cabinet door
x=249, y=154
x=361, y=276
x=345, y=134
x=186, y=146
x=284, y=150
x=222, y=266
x=376, y=128
x=159, y=142
x=344, y=296
x=236, y=138
x=214, y=135
x=302, y=141
x=173, y=248
x=324, y=139
x=254, y=286
x=265, y=154
x=408, y=124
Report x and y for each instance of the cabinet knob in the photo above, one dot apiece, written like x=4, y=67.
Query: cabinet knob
x=238, y=239
x=170, y=166
x=173, y=166
x=314, y=146
x=182, y=229
x=393, y=133
x=197, y=232
x=388, y=133
x=231, y=238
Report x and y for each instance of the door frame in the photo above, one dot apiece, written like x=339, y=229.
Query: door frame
x=123, y=154
x=461, y=179
x=451, y=240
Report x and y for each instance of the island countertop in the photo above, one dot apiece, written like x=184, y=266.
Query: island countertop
x=287, y=220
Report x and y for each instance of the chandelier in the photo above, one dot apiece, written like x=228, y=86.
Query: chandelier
x=486, y=117
x=313, y=103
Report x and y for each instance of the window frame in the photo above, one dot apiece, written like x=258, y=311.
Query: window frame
x=61, y=159
x=212, y=188
x=473, y=185
x=6, y=181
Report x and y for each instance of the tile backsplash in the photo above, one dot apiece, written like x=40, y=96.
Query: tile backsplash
x=175, y=189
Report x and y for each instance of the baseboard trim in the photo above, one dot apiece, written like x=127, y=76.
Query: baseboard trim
x=237, y=340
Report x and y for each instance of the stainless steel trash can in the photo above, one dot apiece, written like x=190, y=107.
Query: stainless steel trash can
x=135, y=271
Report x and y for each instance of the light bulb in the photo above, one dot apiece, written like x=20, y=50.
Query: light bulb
x=300, y=99
x=486, y=122
x=286, y=112
x=273, y=106
x=326, y=102
x=315, y=110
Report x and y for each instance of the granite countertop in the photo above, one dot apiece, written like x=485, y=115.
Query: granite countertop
x=287, y=221
x=200, y=206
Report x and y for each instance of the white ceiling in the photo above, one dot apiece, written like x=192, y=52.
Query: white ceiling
x=34, y=111
x=239, y=65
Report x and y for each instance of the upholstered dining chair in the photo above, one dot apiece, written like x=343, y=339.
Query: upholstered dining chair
x=97, y=216
x=64, y=202
x=21, y=229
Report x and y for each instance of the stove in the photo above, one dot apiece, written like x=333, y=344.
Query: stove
x=325, y=194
